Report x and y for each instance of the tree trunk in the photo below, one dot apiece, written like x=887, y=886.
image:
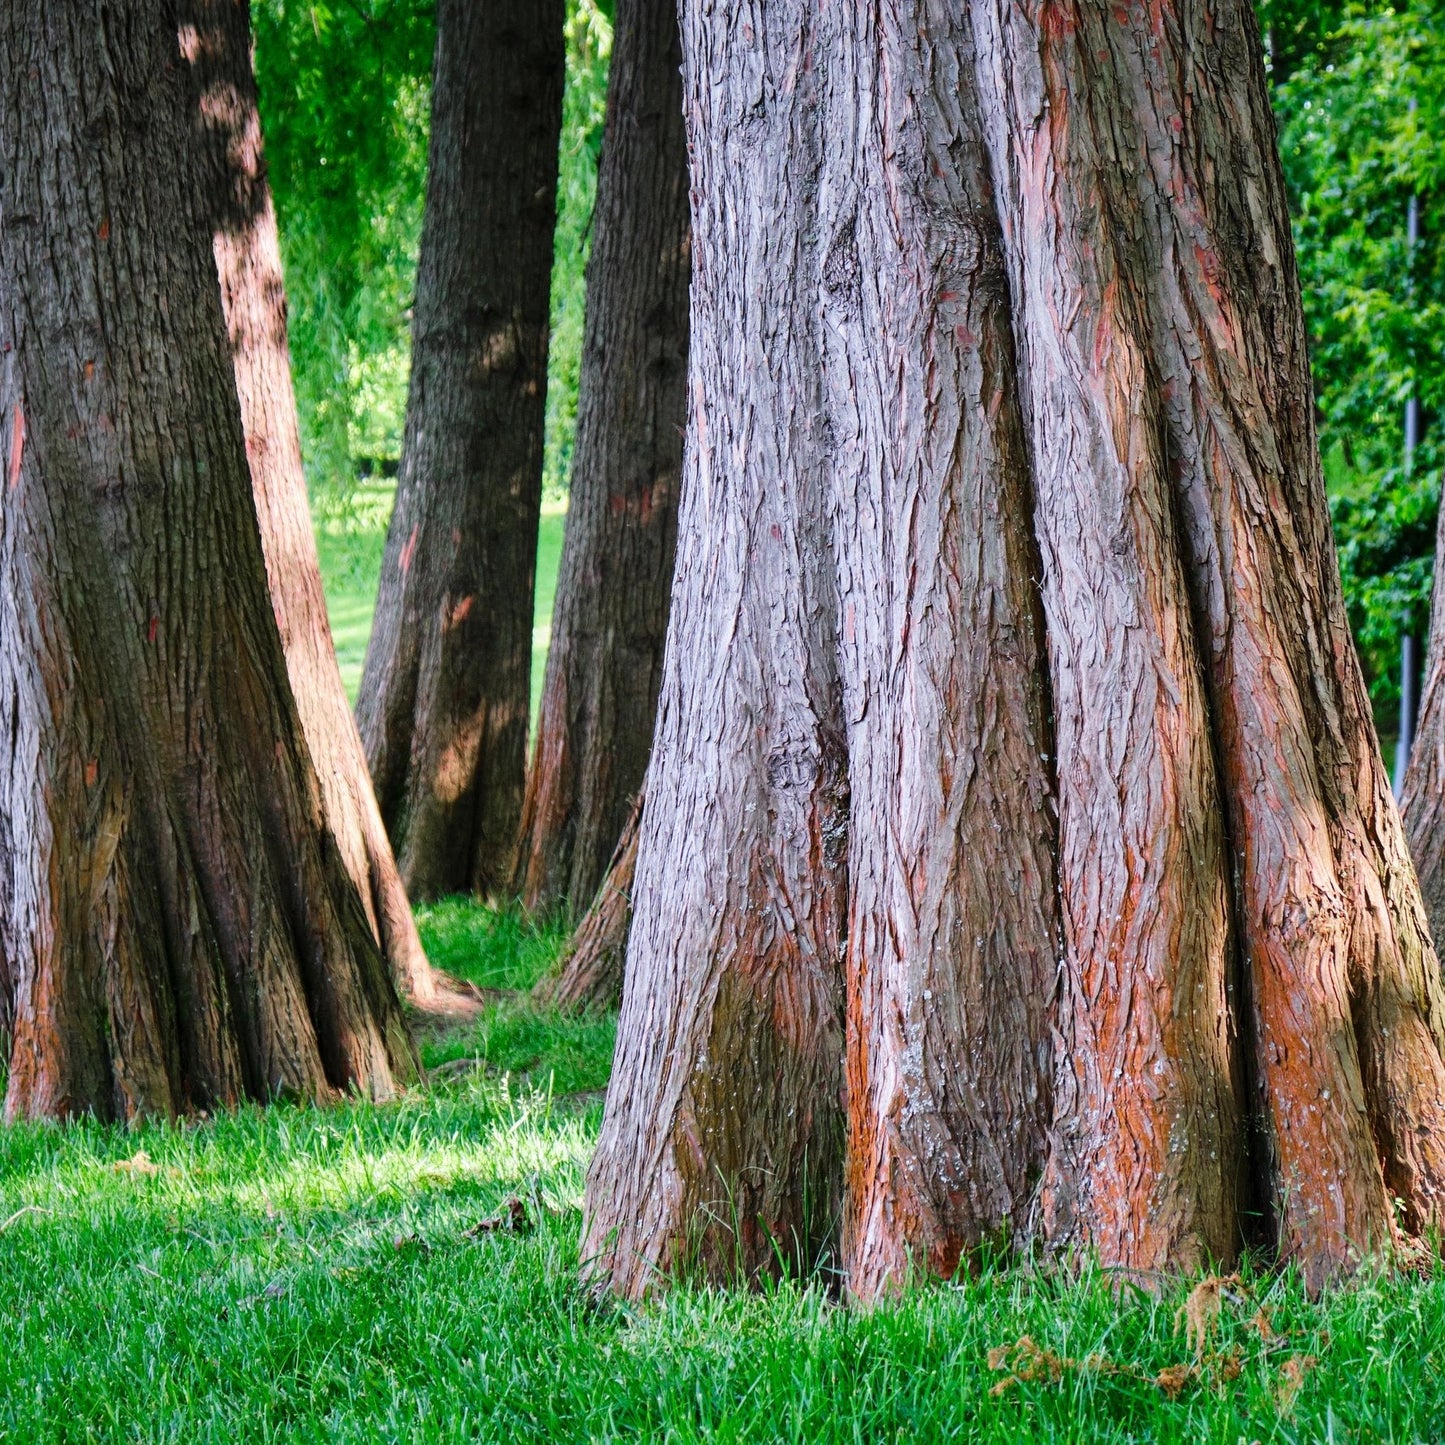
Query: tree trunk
x=723, y=1154
x=1423, y=799
x=444, y=692
x=604, y=665
x=590, y=976
x=253, y=292
x=177, y=928
x=1047, y=272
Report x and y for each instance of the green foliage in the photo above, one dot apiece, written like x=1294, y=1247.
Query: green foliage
x=584, y=104
x=345, y=103
x=345, y=90
x=1353, y=154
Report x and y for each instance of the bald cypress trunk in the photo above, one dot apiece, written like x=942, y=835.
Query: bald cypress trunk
x=253, y=292
x=590, y=975
x=1044, y=264
x=604, y=664
x=444, y=692
x=177, y=927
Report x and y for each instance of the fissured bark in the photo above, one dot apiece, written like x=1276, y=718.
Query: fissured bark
x=444, y=692
x=722, y=1154
x=217, y=41
x=1247, y=1017
x=604, y=664
x=177, y=927
x=590, y=976
x=953, y=924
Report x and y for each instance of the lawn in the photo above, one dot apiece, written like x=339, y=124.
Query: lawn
x=298, y=1274
x=346, y=1274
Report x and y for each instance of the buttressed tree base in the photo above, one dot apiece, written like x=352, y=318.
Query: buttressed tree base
x=177, y=928
x=1017, y=854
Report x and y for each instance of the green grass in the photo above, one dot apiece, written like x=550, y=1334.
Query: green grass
x=351, y=535
x=299, y=1274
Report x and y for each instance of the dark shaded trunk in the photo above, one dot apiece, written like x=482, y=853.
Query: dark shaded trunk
x=217, y=41
x=177, y=927
x=604, y=665
x=590, y=974
x=444, y=692
x=1047, y=271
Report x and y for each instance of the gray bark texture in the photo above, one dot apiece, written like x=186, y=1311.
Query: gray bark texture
x=604, y=665
x=177, y=927
x=444, y=693
x=216, y=39
x=1000, y=413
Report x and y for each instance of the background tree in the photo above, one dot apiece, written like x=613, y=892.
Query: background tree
x=604, y=664
x=1240, y=1037
x=218, y=44
x=444, y=693
x=176, y=926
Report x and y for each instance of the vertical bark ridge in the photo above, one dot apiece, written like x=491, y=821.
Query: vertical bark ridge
x=604, y=665
x=217, y=42
x=442, y=708
x=1146, y=1136
x=1345, y=983
x=721, y=1152
x=176, y=925
x=953, y=930
x=590, y=976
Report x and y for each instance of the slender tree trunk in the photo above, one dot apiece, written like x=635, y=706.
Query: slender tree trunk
x=590, y=976
x=723, y=1155
x=177, y=928
x=604, y=665
x=1423, y=798
x=444, y=692
x=217, y=42
x=1047, y=272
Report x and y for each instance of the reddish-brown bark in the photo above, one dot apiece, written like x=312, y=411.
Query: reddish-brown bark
x=217, y=41
x=590, y=976
x=604, y=664
x=444, y=693
x=176, y=926
x=1248, y=1014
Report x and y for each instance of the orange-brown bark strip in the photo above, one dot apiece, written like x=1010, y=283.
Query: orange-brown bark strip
x=444, y=692
x=721, y=1146
x=953, y=928
x=176, y=928
x=591, y=973
x=1345, y=981
x=1146, y=1134
x=216, y=39
x=604, y=664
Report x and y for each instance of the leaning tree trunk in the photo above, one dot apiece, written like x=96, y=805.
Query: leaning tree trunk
x=444, y=691
x=1047, y=271
x=177, y=928
x=604, y=665
x=590, y=973
x=248, y=258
